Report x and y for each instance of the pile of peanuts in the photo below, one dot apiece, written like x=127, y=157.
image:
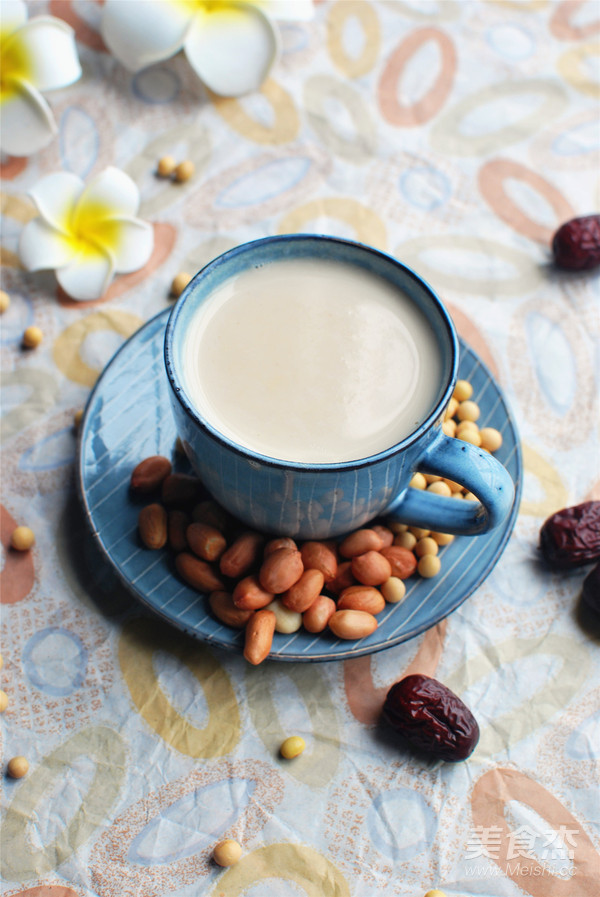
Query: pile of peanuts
x=266, y=585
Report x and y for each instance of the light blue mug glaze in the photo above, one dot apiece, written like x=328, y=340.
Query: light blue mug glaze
x=318, y=501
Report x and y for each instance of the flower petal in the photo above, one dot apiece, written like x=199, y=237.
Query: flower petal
x=26, y=121
x=41, y=246
x=87, y=276
x=47, y=47
x=134, y=245
x=109, y=195
x=232, y=48
x=142, y=32
x=289, y=10
x=56, y=196
x=14, y=14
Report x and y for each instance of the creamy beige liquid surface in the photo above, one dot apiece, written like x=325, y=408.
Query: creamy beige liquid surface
x=312, y=361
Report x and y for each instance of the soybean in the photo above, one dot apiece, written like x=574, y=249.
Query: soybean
x=292, y=747
x=227, y=853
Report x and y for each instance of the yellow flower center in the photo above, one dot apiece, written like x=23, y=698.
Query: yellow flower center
x=15, y=64
x=91, y=229
x=195, y=7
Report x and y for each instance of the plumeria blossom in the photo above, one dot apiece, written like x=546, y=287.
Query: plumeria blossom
x=86, y=233
x=35, y=56
x=230, y=44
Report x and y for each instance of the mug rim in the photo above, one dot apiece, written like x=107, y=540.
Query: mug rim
x=178, y=388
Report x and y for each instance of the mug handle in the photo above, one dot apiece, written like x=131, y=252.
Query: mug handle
x=470, y=466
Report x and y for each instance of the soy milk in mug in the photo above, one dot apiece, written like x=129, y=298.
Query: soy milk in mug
x=311, y=360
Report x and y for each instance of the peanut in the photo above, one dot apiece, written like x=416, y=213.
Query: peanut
x=206, y=541
x=317, y=616
x=371, y=568
x=222, y=606
x=149, y=474
x=402, y=561
x=152, y=526
x=242, y=555
x=177, y=523
x=259, y=636
x=343, y=578
x=360, y=541
x=209, y=511
x=198, y=574
x=280, y=570
x=384, y=533
x=280, y=542
x=364, y=598
x=320, y=556
x=303, y=593
x=352, y=624
x=286, y=621
x=248, y=594
x=180, y=490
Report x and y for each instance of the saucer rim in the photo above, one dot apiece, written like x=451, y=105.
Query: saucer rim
x=234, y=642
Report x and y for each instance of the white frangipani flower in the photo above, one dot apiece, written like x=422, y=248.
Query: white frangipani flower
x=35, y=56
x=230, y=44
x=86, y=233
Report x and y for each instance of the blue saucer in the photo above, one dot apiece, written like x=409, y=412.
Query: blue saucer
x=128, y=417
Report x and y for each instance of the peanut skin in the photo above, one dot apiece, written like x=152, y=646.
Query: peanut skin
x=206, y=541
x=152, y=526
x=360, y=541
x=149, y=474
x=242, y=555
x=352, y=624
x=371, y=568
x=301, y=595
x=343, y=578
x=319, y=556
x=317, y=616
x=280, y=570
x=222, y=606
x=260, y=629
x=403, y=561
x=178, y=522
x=198, y=574
x=248, y=594
x=364, y=598
x=280, y=542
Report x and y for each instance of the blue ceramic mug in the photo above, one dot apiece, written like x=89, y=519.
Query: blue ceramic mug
x=317, y=501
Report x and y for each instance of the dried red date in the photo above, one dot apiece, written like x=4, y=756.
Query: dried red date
x=591, y=589
x=576, y=245
x=571, y=537
x=431, y=717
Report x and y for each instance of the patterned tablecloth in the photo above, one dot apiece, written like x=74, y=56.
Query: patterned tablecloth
x=457, y=136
